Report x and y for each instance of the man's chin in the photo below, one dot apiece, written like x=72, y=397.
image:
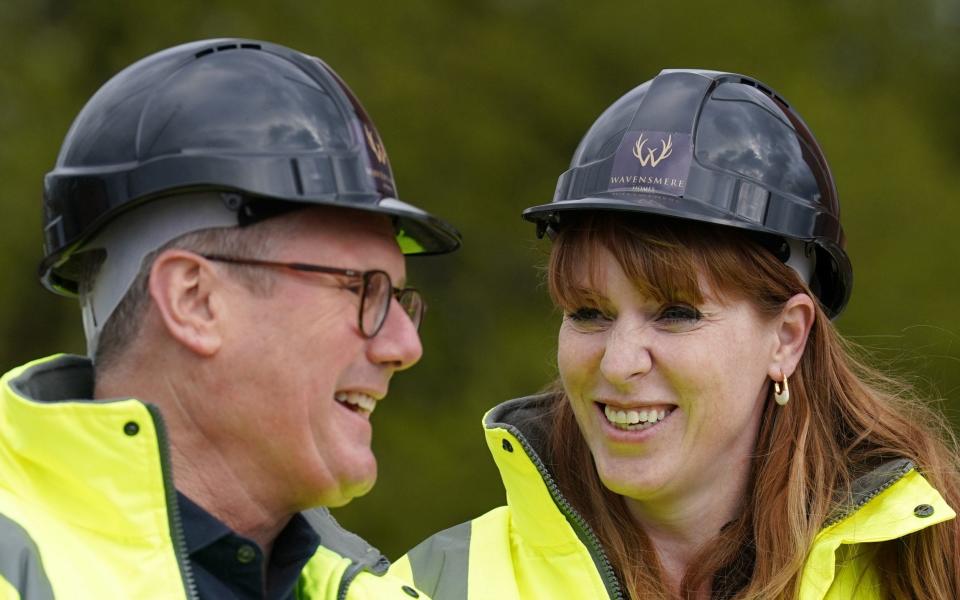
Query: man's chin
x=347, y=491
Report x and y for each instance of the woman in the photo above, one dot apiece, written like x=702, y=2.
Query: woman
x=711, y=435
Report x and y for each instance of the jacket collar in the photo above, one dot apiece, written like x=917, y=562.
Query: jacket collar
x=883, y=504
x=517, y=438
x=889, y=502
x=97, y=465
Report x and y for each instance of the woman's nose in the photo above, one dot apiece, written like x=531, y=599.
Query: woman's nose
x=626, y=354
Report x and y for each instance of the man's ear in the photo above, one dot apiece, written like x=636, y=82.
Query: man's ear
x=185, y=289
x=792, y=329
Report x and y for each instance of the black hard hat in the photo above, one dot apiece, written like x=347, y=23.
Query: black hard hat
x=714, y=147
x=273, y=127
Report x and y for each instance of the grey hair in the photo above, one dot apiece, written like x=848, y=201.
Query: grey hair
x=254, y=241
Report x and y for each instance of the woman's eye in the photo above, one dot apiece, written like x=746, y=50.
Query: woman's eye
x=586, y=315
x=677, y=314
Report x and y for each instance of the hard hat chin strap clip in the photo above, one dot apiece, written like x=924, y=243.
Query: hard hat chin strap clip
x=802, y=259
x=549, y=226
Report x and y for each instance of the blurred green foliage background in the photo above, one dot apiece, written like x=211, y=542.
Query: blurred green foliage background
x=481, y=104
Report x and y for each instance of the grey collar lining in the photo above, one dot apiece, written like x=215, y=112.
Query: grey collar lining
x=67, y=377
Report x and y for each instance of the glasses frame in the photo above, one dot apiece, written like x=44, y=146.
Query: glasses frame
x=364, y=276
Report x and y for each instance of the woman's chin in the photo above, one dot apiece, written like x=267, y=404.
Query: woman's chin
x=635, y=479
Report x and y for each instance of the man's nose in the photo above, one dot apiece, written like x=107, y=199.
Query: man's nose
x=397, y=344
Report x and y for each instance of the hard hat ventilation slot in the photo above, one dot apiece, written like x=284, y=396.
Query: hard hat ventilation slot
x=223, y=47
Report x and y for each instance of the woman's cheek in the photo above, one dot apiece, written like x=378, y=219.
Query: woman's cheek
x=575, y=355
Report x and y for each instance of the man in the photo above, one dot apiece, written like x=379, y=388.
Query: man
x=225, y=212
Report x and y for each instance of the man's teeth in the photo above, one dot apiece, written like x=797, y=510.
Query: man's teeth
x=634, y=419
x=360, y=400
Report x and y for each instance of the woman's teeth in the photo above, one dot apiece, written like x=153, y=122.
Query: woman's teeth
x=360, y=401
x=633, y=420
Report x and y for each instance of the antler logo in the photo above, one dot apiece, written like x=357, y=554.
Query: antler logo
x=376, y=146
x=651, y=157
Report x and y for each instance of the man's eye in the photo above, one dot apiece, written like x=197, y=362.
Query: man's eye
x=676, y=314
x=586, y=315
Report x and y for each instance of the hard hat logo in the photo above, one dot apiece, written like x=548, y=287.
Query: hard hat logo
x=376, y=146
x=653, y=157
x=640, y=166
x=379, y=164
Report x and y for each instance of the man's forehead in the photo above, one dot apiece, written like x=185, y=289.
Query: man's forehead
x=341, y=225
x=351, y=238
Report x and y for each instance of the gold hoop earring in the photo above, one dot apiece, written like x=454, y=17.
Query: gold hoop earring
x=781, y=391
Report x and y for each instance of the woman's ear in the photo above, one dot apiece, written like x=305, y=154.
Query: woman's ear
x=185, y=290
x=792, y=329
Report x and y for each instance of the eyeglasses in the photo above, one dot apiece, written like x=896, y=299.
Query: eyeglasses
x=376, y=290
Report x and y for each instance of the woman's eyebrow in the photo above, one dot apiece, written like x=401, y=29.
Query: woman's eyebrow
x=585, y=293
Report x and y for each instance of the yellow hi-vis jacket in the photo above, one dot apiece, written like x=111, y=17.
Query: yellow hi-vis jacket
x=539, y=547
x=88, y=508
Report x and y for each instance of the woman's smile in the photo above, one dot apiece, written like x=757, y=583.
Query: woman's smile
x=636, y=418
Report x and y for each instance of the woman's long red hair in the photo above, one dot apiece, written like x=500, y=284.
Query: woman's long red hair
x=844, y=418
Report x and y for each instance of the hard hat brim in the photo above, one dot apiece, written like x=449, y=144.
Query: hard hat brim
x=834, y=272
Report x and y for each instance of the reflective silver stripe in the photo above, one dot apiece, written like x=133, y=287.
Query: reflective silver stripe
x=20, y=562
x=441, y=562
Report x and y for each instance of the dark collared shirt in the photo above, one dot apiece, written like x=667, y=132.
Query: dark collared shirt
x=227, y=566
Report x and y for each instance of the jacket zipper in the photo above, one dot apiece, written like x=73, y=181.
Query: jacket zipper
x=897, y=476
x=173, y=509
x=580, y=525
x=349, y=575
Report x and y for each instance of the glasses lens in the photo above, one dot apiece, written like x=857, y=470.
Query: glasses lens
x=376, y=302
x=412, y=303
